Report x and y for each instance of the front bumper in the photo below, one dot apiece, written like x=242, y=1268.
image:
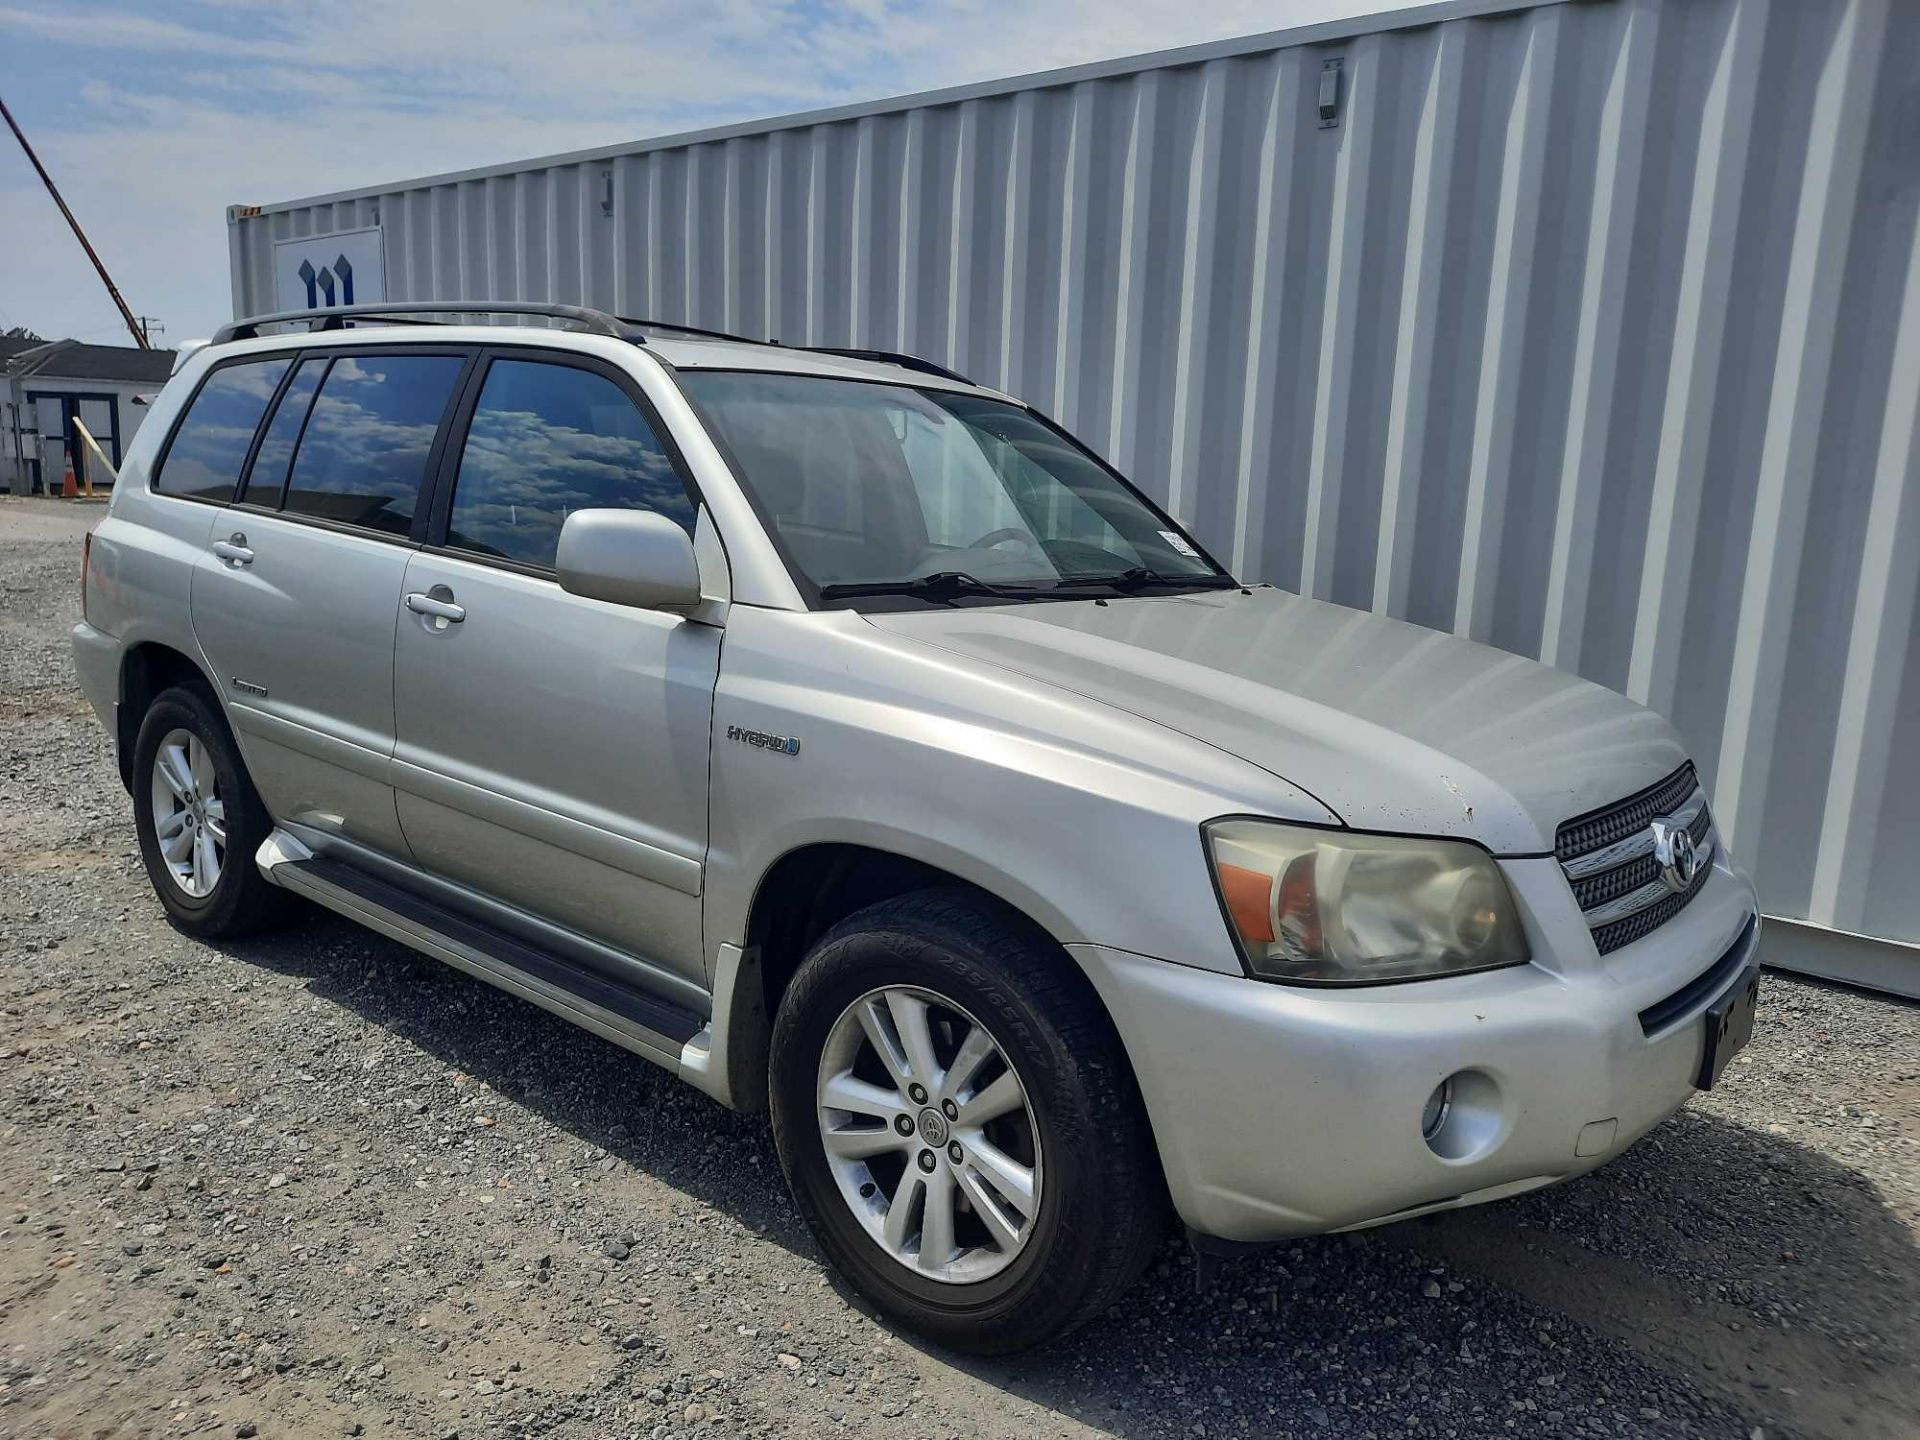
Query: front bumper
x=1284, y=1111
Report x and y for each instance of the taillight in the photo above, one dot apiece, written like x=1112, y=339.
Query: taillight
x=86, y=570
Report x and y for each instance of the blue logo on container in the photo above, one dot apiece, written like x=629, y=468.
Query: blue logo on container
x=320, y=282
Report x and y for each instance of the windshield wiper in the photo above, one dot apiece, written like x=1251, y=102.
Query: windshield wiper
x=1135, y=578
x=945, y=585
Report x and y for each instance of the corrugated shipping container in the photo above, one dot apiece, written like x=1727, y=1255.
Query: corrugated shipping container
x=1591, y=330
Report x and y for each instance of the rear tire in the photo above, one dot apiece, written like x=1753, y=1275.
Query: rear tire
x=1048, y=1208
x=200, y=820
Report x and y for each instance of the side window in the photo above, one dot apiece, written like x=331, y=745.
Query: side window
x=269, y=474
x=208, y=449
x=365, y=451
x=547, y=440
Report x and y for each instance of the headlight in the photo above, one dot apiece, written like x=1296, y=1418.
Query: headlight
x=1329, y=907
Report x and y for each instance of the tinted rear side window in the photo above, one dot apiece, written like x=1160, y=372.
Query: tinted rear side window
x=269, y=473
x=365, y=450
x=208, y=449
x=547, y=440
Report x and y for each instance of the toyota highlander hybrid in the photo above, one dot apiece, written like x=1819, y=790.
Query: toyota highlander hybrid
x=851, y=741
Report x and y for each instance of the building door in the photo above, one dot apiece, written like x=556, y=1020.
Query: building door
x=101, y=415
x=60, y=442
x=48, y=463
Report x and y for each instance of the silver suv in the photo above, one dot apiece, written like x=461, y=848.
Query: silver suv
x=851, y=741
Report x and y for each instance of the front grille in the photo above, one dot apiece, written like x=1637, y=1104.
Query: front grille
x=1643, y=923
x=1608, y=858
x=1600, y=828
x=1625, y=879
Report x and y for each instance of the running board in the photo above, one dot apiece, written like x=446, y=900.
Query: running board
x=637, y=1020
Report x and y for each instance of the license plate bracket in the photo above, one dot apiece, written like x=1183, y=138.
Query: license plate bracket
x=1729, y=1026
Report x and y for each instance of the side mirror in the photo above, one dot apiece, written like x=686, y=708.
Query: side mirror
x=629, y=557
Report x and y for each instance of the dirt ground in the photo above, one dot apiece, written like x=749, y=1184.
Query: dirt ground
x=314, y=1184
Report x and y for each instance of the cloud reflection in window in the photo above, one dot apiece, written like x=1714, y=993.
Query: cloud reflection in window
x=211, y=444
x=547, y=440
x=365, y=449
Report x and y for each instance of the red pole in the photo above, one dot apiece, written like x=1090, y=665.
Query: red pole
x=133, y=328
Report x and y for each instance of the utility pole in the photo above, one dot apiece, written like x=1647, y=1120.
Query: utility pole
x=139, y=338
x=149, y=327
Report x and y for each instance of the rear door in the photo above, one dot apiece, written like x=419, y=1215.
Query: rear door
x=552, y=750
x=295, y=601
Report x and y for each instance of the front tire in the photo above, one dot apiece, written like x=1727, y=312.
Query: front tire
x=959, y=1125
x=200, y=820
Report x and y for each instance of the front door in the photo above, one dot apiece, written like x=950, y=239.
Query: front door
x=552, y=750
x=295, y=600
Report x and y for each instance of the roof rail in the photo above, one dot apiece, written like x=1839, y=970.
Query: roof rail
x=596, y=322
x=649, y=326
x=884, y=357
x=890, y=357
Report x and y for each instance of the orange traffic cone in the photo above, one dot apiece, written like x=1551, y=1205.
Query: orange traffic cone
x=67, y=488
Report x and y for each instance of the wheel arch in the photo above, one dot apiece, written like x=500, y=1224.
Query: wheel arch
x=146, y=670
x=804, y=894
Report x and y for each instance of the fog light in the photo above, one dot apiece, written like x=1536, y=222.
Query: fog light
x=1465, y=1118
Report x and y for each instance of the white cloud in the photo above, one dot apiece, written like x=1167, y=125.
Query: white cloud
x=180, y=115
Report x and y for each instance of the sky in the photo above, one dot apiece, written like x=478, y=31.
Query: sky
x=154, y=117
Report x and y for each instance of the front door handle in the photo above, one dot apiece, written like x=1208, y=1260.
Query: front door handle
x=234, y=550
x=442, y=610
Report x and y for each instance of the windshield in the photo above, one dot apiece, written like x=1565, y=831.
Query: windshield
x=876, y=489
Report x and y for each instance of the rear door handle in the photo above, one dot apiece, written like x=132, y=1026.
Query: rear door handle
x=439, y=609
x=234, y=550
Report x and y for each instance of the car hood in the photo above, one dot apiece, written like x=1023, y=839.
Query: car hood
x=1392, y=726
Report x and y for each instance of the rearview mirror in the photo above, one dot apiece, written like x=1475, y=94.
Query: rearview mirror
x=629, y=557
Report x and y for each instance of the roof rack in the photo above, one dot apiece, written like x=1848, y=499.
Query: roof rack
x=650, y=326
x=596, y=322
x=884, y=357
x=890, y=357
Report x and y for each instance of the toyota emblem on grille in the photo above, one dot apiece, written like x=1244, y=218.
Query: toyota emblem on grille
x=1676, y=854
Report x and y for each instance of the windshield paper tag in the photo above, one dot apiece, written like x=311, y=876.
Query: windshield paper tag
x=1179, y=542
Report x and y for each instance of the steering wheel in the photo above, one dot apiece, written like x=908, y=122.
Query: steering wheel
x=1004, y=563
x=1003, y=534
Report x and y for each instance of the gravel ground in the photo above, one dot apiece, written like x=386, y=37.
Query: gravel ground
x=316, y=1185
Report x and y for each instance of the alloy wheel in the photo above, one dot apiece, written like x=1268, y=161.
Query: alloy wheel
x=189, y=816
x=930, y=1135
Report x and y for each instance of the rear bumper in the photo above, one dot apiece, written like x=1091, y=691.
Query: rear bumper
x=96, y=660
x=1282, y=1111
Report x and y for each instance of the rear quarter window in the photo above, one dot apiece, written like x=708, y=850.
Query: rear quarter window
x=210, y=445
x=268, y=477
